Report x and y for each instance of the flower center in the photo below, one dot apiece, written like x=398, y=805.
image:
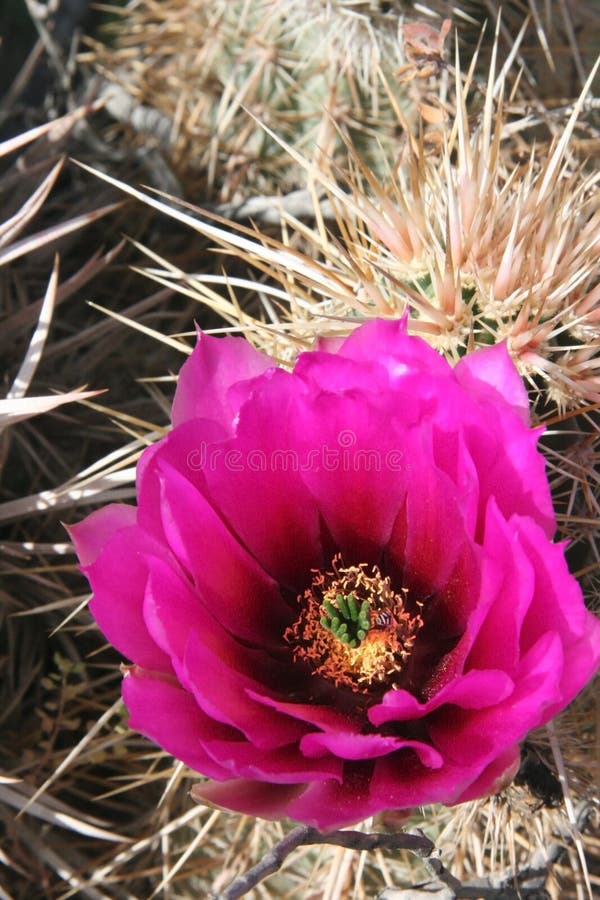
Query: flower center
x=353, y=629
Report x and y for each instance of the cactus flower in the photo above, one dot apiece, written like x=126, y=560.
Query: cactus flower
x=339, y=591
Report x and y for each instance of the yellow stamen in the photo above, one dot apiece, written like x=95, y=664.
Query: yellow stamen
x=329, y=631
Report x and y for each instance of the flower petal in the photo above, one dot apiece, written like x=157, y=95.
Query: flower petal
x=197, y=644
x=558, y=601
x=253, y=798
x=511, y=598
x=118, y=580
x=162, y=711
x=358, y=476
x=226, y=697
x=451, y=455
x=257, y=485
x=510, y=468
x=285, y=765
x=467, y=737
x=366, y=746
x=476, y=689
x=215, y=365
x=229, y=581
x=324, y=717
x=492, y=369
x=188, y=449
x=334, y=804
x=335, y=373
x=387, y=342
x=401, y=782
x=494, y=777
x=90, y=535
x=558, y=606
x=428, y=535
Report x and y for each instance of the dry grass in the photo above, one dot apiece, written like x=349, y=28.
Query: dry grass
x=482, y=221
x=180, y=78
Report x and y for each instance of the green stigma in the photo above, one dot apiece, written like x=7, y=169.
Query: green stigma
x=348, y=620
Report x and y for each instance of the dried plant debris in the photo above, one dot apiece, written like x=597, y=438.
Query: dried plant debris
x=184, y=80
x=183, y=77
x=560, y=44
x=56, y=245
x=478, y=246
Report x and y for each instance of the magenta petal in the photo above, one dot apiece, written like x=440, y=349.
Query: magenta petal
x=325, y=717
x=206, y=378
x=328, y=344
x=188, y=449
x=553, y=582
x=386, y=341
x=285, y=765
x=495, y=777
x=452, y=610
x=582, y=661
x=118, y=580
x=366, y=746
x=357, y=473
x=398, y=706
x=253, y=798
x=540, y=670
x=474, y=690
x=332, y=804
x=511, y=599
x=325, y=371
x=558, y=606
x=226, y=696
x=172, y=611
x=90, y=535
x=511, y=469
x=477, y=737
x=198, y=644
x=258, y=488
x=401, y=782
x=229, y=581
x=492, y=368
x=451, y=455
x=474, y=587
x=168, y=715
x=477, y=689
x=431, y=520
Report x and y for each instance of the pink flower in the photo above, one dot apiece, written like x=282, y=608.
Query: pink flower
x=339, y=589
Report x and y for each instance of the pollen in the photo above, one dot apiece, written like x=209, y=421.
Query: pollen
x=354, y=629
